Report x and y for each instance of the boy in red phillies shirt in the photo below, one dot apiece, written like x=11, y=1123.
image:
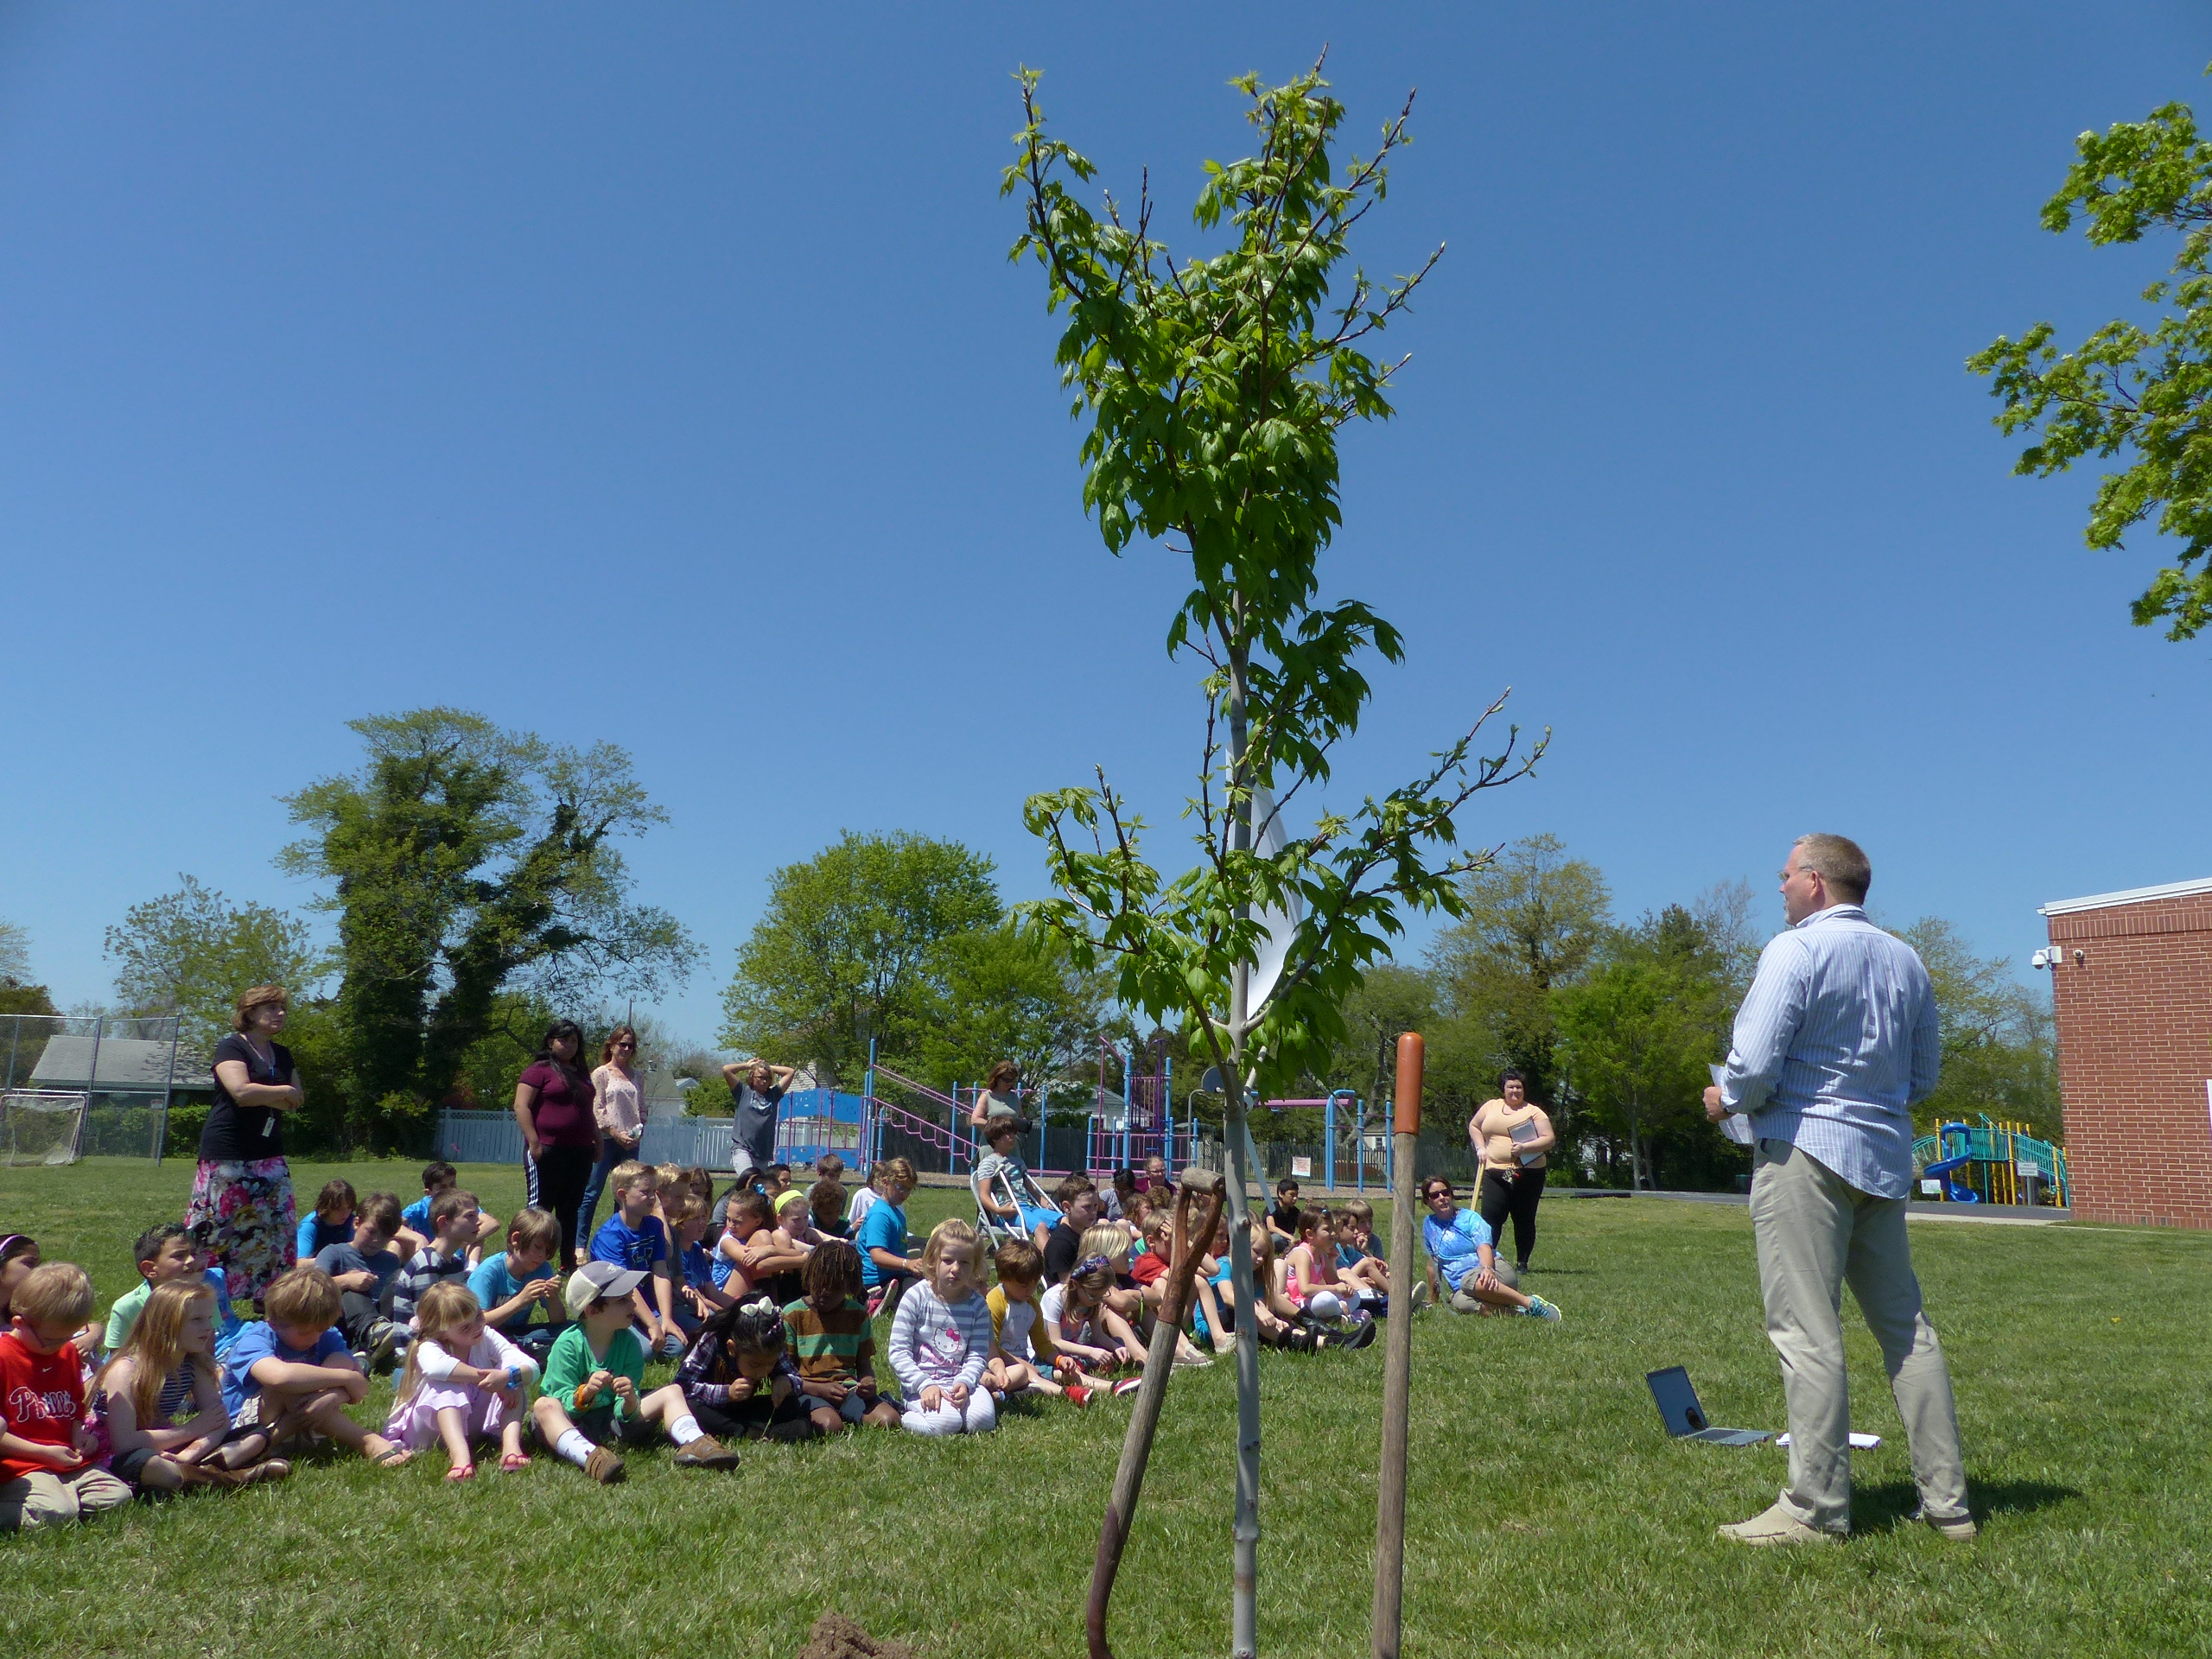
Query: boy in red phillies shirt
x=46, y=1445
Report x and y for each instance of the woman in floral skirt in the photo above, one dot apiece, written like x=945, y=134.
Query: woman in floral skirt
x=242, y=1206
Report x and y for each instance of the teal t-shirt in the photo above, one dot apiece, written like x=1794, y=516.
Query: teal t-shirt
x=493, y=1284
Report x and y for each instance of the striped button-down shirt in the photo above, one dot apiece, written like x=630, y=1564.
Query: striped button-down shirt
x=1835, y=1041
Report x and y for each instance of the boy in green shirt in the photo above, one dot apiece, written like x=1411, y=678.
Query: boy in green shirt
x=593, y=1391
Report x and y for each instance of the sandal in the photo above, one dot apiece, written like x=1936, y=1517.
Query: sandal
x=462, y=1471
x=511, y=1461
x=272, y=1469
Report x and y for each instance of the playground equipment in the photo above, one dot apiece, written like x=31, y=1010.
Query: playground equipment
x=1992, y=1163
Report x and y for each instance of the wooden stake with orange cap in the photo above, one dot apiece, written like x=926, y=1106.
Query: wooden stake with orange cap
x=1398, y=1355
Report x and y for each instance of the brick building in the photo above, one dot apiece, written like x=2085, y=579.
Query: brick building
x=2131, y=980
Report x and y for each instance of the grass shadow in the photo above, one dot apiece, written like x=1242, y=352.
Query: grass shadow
x=1893, y=1503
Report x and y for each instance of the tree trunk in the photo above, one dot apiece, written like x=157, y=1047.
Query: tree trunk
x=1243, y=1620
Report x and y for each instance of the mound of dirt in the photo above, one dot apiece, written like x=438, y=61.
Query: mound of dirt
x=835, y=1637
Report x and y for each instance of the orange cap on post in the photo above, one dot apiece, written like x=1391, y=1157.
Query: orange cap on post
x=1410, y=1054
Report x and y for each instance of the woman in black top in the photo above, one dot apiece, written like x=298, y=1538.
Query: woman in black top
x=242, y=1206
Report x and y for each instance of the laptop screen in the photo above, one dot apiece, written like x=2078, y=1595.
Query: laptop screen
x=1677, y=1401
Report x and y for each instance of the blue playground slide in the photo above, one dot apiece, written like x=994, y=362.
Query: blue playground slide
x=1956, y=1192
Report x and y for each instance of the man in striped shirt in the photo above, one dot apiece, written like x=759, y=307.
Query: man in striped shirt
x=1835, y=1042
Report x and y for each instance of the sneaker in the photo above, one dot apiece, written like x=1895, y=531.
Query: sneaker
x=1077, y=1394
x=1541, y=1309
x=875, y=1301
x=705, y=1452
x=1775, y=1526
x=605, y=1468
x=1417, y=1298
x=1129, y=1385
x=1954, y=1526
x=1361, y=1335
x=384, y=1340
x=1191, y=1361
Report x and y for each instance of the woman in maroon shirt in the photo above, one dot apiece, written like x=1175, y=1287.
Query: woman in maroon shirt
x=560, y=1133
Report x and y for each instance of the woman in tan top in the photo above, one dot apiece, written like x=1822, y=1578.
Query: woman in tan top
x=1514, y=1136
x=620, y=1112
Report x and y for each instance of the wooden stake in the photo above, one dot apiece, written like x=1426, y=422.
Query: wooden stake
x=1398, y=1357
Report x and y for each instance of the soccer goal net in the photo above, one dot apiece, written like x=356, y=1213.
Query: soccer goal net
x=42, y=1126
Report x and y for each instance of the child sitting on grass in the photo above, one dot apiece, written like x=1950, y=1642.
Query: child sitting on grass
x=738, y=1378
x=826, y=1200
x=1080, y=1208
x=163, y=1253
x=1203, y=1313
x=1368, y=1274
x=292, y=1372
x=331, y=1221
x=698, y=1298
x=833, y=1344
x=1138, y=1310
x=415, y=1224
x=941, y=1337
x=363, y=1270
x=463, y=1382
x=594, y=1395
x=163, y=1395
x=1310, y=1281
x=520, y=1283
x=633, y=1238
x=47, y=1447
x=1079, y=1323
x=793, y=1240
x=1023, y=1359
x=452, y=1234
x=886, y=1269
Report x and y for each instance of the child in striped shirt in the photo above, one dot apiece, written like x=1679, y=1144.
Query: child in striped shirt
x=941, y=1339
x=830, y=1340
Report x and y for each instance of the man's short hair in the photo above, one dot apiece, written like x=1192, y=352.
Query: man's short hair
x=1839, y=861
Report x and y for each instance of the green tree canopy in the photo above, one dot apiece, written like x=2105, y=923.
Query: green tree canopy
x=470, y=864
x=1532, y=920
x=1008, y=993
x=2127, y=390
x=848, y=946
x=2000, y=1057
x=190, y=953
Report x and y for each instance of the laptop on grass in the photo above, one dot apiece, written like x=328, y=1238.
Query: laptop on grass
x=1672, y=1392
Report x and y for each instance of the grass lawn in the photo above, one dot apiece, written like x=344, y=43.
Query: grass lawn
x=1550, y=1512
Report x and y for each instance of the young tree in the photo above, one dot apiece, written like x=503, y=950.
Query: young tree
x=470, y=863
x=847, y=947
x=192, y=951
x=2147, y=393
x=1213, y=390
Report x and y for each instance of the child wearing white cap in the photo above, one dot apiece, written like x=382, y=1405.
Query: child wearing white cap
x=594, y=1395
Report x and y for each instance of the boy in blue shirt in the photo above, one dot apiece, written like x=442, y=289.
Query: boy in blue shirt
x=415, y=1219
x=292, y=1372
x=521, y=1283
x=633, y=1238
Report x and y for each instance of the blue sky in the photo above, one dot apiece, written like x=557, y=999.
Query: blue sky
x=656, y=374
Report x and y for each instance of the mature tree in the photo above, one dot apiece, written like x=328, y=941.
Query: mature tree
x=1008, y=993
x=2127, y=390
x=848, y=947
x=14, y=954
x=1214, y=390
x=471, y=863
x=1389, y=1001
x=1998, y=1055
x=192, y=951
x=1533, y=921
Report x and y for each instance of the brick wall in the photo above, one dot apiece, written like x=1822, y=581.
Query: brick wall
x=2134, y=1051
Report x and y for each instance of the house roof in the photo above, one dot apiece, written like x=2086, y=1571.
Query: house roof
x=2130, y=896
x=128, y=1065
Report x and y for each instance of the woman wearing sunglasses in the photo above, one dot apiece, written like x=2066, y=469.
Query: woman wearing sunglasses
x=1459, y=1244
x=622, y=1114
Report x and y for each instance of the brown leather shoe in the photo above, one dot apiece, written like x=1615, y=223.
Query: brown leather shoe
x=605, y=1468
x=706, y=1452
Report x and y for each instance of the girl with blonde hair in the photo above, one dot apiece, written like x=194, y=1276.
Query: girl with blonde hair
x=941, y=1338
x=163, y=1397
x=463, y=1382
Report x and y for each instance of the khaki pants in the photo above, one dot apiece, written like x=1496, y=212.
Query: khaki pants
x=42, y=1498
x=1816, y=1232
